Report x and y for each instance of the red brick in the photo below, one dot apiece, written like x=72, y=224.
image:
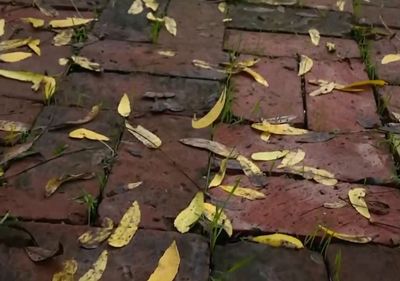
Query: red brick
x=338, y=111
x=171, y=175
x=139, y=258
x=370, y=15
x=327, y=5
x=388, y=72
x=270, y=45
x=253, y=101
x=296, y=207
x=128, y=57
x=390, y=99
x=351, y=157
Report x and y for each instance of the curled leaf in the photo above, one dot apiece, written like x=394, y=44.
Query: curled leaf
x=124, y=107
x=256, y=76
x=219, y=177
x=54, y=183
x=346, y=237
x=168, y=265
x=390, y=58
x=356, y=85
x=278, y=129
x=39, y=254
x=63, y=37
x=34, y=46
x=136, y=7
x=212, y=213
x=68, y=272
x=319, y=175
x=86, y=63
x=305, y=66
x=93, y=238
x=279, y=240
x=213, y=146
x=14, y=152
x=187, y=217
x=314, y=35
x=212, y=115
x=335, y=205
x=96, y=272
x=265, y=136
x=249, y=168
x=331, y=47
x=88, y=134
x=248, y=193
x=35, y=22
x=324, y=89
x=292, y=158
x=69, y=22
x=170, y=25
x=145, y=136
x=151, y=4
x=356, y=196
x=89, y=117
x=14, y=56
x=269, y=155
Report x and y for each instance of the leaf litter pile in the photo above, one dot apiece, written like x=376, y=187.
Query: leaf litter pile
x=200, y=210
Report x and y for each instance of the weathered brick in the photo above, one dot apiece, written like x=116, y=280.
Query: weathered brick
x=327, y=5
x=63, y=4
x=388, y=72
x=390, y=99
x=338, y=111
x=379, y=16
x=253, y=101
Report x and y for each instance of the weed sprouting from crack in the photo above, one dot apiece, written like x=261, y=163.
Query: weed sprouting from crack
x=360, y=34
x=91, y=204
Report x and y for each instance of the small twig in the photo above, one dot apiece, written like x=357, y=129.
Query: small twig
x=387, y=28
x=76, y=8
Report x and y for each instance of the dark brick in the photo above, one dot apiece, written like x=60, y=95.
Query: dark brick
x=245, y=260
x=291, y=20
x=390, y=99
x=327, y=5
x=374, y=16
x=388, y=72
x=63, y=4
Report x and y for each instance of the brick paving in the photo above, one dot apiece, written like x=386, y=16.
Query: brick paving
x=346, y=138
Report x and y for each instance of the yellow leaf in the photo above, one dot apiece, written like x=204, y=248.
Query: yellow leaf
x=170, y=25
x=390, y=58
x=133, y=185
x=202, y=64
x=63, y=37
x=2, y=26
x=15, y=56
x=212, y=115
x=63, y=61
x=364, y=83
x=305, y=65
x=13, y=126
x=324, y=89
x=269, y=155
x=49, y=86
x=335, y=205
x=292, y=158
x=213, y=214
x=168, y=265
x=245, y=63
x=314, y=35
x=187, y=217
x=34, y=46
x=34, y=21
x=244, y=192
x=340, y=4
x=346, y=237
x=356, y=196
x=145, y=136
x=278, y=129
x=150, y=16
x=265, y=136
x=167, y=53
x=25, y=76
x=213, y=146
x=54, y=183
x=219, y=177
x=136, y=7
x=86, y=63
x=279, y=240
x=124, y=107
x=68, y=272
x=249, y=168
x=127, y=227
x=256, y=76
x=222, y=7
x=69, y=22
x=151, y=4
x=331, y=47
x=13, y=44
x=91, y=239
x=88, y=134
x=319, y=175
x=95, y=273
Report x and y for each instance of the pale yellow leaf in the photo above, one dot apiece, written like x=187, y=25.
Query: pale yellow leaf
x=170, y=25
x=67, y=274
x=331, y=47
x=346, y=237
x=314, y=35
x=69, y=22
x=54, y=183
x=212, y=213
x=187, y=217
x=279, y=240
x=136, y=7
x=222, y=7
x=151, y=4
x=14, y=56
x=13, y=126
x=324, y=89
x=167, y=53
x=168, y=265
x=92, y=238
x=96, y=272
x=265, y=136
x=150, y=16
x=88, y=134
x=134, y=185
x=127, y=227
x=202, y=64
x=145, y=136
x=86, y=63
x=25, y=76
x=248, y=193
x=246, y=63
x=269, y=155
x=219, y=177
x=256, y=76
x=213, y=146
x=2, y=26
x=35, y=22
x=335, y=205
x=340, y=4
x=49, y=86
x=63, y=37
x=249, y=168
x=319, y=175
x=124, y=107
x=227, y=20
x=390, y=58
x=34, y=46
x=305, y=65
x=13, y=44
x=292, y=158
x=63, y=61
x=356, y=196
x=212, y=115
x=278, y=129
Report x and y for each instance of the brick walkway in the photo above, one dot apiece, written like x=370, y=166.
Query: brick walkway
x=128, y=47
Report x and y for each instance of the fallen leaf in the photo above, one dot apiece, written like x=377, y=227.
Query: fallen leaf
x=248, y=193
x=168, y=265
x=150, y=16
x=354, y=86
x=92, y=238
x=213, y=214
x=331, y=47
x=63, y=37
x=265, y=136
x=170, y=25
x=219, y=177
x=124, y=107
x=278, y=129
x=346, y=237
x=249, y=168
x=127, y=227
x=319, y=175
x=68, y=272
x=54, y=183
x=49, y=86
x=151, y=4
x=13, y=126
x=222, y=7
x=390, y=58
x=324, y=89
x=191, y=214
x=97, y=269
x=133, y=185
x=14, y=43
x=269, y=155
x=212, y=115
x=69, y=22
x=15, y=151
x=25, y=76
x=335, y=205
x=202, y=64
x=305, y=65
x=89, y=117
x=145, y=136
x=35, y=22
x=167, y=53
x=136, y=7
x=39, y=254
x=2, y=26
x=292, y=158
x=63, y=61
x=88, y=134
x=314, y=35
x=213, y=146
x=279, y=240
x=45, y=8
x=356, y=196
x=280, y=119
x=340, y=4
x=256, y=76
x=34, y=46
x=14, y=56
x=86, y=63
